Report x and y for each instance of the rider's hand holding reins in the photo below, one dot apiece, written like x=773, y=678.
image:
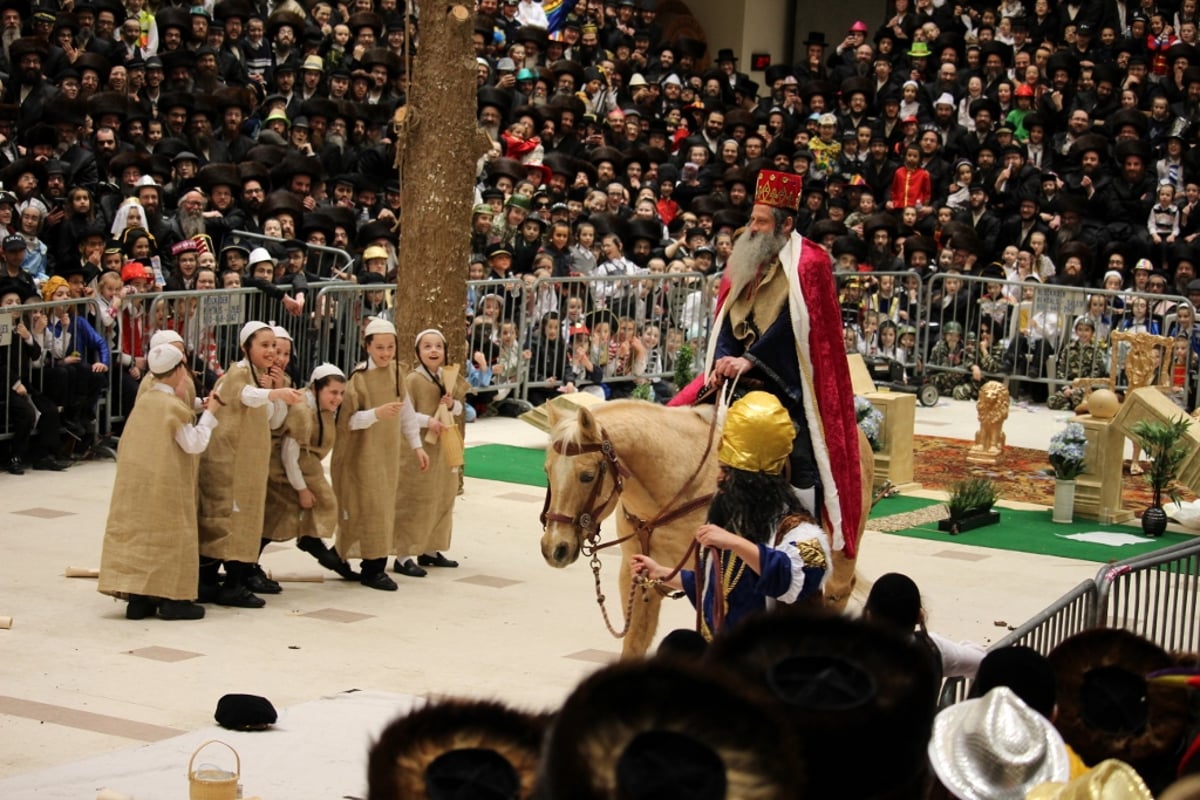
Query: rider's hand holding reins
x=728, y=367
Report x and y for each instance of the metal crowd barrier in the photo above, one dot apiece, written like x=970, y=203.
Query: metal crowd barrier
x=1156, y=596
x=899, y=297
x=324, y=261
x=64, y=370
x=1038, y=326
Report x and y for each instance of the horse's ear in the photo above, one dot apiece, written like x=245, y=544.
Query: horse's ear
x=553, y=414
x=588, y=427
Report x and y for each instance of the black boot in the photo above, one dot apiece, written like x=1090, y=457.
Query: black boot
x=140, y=606
x=327, y=557
x=234, y=592
x=374, y=575
x=180, y=609
x=210, y=580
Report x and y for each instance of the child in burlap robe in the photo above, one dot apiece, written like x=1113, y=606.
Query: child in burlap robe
x=425, y=498
x=233, y=471
x=151, y=549
x=374, y=423
x=301, y=503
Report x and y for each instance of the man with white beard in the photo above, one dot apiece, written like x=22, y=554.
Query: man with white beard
x=778, y=328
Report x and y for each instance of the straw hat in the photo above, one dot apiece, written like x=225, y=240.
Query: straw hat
x=996, y=748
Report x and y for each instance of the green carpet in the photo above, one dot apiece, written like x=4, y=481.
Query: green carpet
x=1031, y=532
x=1019, y=531
x=502, y=462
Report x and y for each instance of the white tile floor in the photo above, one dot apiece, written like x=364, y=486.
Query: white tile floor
x=80, y=680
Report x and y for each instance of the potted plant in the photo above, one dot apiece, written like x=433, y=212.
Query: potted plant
x=1165, y=446
x=1067, y=449
x=970, y=506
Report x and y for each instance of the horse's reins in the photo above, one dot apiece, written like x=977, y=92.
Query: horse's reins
x=588, y=520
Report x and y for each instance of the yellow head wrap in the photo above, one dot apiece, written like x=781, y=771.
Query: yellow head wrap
x=758, y=435
x=51, y=286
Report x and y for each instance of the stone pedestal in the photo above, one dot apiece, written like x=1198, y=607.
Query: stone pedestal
x=1149, y=403
x=894, y=461
x=1098, y=488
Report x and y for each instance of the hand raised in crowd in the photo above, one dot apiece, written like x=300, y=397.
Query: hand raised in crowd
x=388, y=410
x=277, y=377
x=38, y=321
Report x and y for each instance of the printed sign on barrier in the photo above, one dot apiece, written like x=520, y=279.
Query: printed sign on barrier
x=7, y=323
x=223, y=309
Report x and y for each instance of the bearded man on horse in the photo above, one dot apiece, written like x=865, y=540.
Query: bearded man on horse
x=759, y=546
x=778, y=328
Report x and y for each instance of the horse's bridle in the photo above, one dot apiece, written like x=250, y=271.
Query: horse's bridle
x=587, y=521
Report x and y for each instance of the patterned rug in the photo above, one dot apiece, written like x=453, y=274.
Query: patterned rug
x=1022, y=474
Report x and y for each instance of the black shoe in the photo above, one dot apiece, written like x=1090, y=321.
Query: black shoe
x=15, y=467
x=208, y=592
x=239, y=597
x=258, y=582
x=332, y=561
x=378, y=580
x=140, y=607
x=436, y=560
x=180, y=609
x=408, y=568
x=49, y=464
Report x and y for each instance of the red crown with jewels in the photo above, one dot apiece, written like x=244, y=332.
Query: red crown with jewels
x=778, y=189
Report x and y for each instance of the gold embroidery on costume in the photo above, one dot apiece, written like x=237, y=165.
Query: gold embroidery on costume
x=811, y=552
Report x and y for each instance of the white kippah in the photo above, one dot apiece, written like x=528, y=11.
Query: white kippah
x=163, y=358
x=377, y=325
x=324, y=371
x=249, y=329
x=281, y=332
x=167, y=336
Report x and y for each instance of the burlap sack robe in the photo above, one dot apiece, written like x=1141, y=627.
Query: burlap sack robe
x=425, y=500
x=233, y=473
x=285, y=519
x=151, y=543
x=366, y=465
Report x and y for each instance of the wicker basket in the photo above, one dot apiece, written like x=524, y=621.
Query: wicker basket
x=213, y=784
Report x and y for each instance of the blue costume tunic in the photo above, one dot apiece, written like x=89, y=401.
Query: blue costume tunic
x=793, y=570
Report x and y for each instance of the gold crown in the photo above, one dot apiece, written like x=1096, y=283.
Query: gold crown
x=778, y=189
x=758, y=435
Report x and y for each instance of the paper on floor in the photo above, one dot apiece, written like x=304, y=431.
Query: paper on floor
x=1105, y=538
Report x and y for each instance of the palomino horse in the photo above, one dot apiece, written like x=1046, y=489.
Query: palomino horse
x=658, y=466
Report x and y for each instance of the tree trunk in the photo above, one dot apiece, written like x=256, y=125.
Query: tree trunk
x=437, y=148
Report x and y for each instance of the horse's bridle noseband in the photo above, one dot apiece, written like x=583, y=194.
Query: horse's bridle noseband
x=587, y=521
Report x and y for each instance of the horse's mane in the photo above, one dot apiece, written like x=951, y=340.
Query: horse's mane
x=567, y=430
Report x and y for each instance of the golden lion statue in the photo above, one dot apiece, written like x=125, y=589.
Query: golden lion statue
x=992, y=408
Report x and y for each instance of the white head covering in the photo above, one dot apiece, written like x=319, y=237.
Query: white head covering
x=377, y=326
x=281, y=332
x=249, y=329
x=121, y=220
x=163, y=358
x=441, y=335
x=258, y=255
x=1111, y=273
x=944, y=99
x=166, y=336
x=324, y=371
x=996, y=748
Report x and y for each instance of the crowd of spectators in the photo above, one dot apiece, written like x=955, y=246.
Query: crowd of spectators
x=1048, y=144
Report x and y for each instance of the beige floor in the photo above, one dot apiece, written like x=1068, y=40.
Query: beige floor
x=78, y=680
